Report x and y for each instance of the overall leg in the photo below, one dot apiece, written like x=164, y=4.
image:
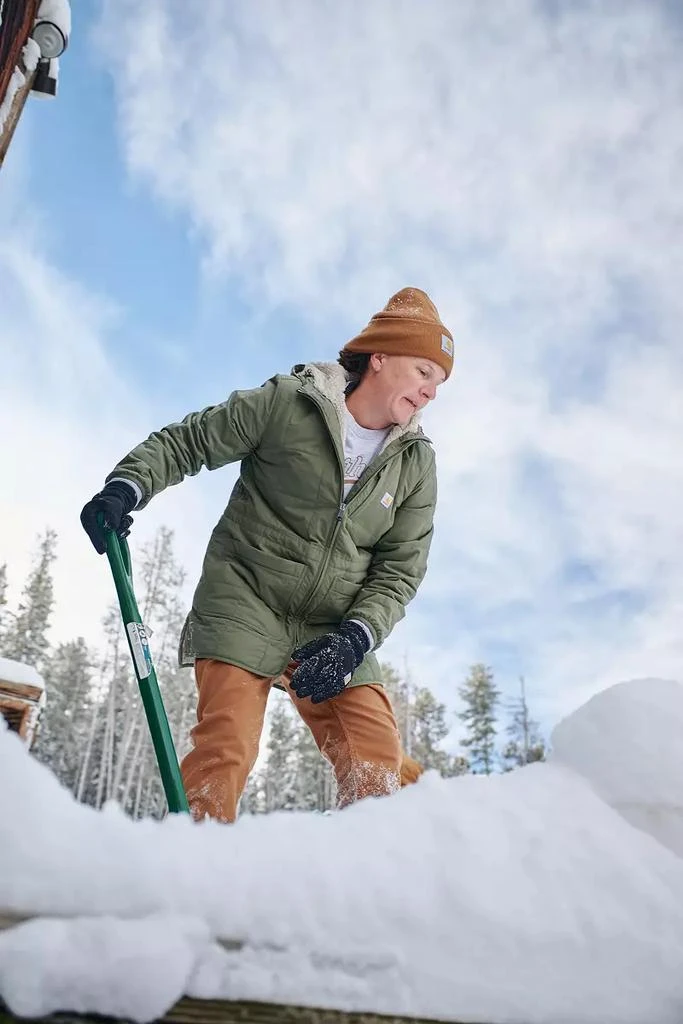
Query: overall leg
x=357, y=733
x=230, y=713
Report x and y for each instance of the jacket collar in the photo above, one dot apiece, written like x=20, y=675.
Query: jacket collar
x=332, y=381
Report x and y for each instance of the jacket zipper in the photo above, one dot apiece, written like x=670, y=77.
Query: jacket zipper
x=339, y=518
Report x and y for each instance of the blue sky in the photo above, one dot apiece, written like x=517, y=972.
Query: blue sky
x=213, y=198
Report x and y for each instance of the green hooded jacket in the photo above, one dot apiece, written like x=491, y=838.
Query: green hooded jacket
x=289, y=557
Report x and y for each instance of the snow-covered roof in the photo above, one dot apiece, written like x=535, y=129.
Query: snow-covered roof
x=519, y=897
x=18, y=672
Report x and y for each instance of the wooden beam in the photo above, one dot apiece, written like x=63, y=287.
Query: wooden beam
x=10, y=920
x=16, y=21
x=13, y=709
x=25, y=690
x=220, y=1011
x=20, y=97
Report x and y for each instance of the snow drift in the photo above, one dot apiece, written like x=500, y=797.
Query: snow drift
x=628, y=742
x=529, y=897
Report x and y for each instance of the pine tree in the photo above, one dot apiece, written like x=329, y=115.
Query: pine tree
x=90, y=769
x=114, y=690
x=422, y=724
x=26, y=637
x=294, y=776
x=429, y=729
x=525, y=744
x=63, y=728
x=280, y=771
x=480, y=697
x=400, y=693
x=254, y=797
x=315, y=785
x=456, y=765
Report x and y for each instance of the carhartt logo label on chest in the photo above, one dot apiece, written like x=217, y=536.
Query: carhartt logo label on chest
x=386, y=500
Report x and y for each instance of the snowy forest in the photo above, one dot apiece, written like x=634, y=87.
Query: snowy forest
x=93, y=733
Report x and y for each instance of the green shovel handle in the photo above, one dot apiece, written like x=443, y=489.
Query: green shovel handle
x=118, y=554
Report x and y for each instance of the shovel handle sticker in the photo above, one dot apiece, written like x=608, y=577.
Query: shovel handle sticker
x=139, y=645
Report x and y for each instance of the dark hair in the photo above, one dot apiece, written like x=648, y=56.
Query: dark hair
x=354, y=362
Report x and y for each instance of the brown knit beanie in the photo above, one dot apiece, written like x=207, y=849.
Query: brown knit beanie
x=409, y=325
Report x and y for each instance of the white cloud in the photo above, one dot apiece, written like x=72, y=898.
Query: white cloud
x=522, y=161
x=522, y=166
x=68, y=412
x=382, y=142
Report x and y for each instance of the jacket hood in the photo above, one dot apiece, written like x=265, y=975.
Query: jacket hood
x=332, y=381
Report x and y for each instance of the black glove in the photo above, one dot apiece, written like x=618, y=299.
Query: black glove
x=115, y=500
x=328, y=662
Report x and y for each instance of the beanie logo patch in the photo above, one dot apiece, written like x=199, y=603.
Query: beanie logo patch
x=447, y=345
x=387, y=500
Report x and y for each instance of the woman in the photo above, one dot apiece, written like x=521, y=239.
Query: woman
x=323, y=543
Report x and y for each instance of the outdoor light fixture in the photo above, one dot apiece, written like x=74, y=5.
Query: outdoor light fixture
x=52, y=27
x=45, y=79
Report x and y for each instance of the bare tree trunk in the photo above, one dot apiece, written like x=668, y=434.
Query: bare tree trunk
x=138, y=791
x=330, y=790
x=131, y=717
x=525, y=720
x=146, y=806
x=83, y=771
x=134, y=761
x=106, y=757
x=181, y=730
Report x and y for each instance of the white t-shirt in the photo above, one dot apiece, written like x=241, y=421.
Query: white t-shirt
x=361, y=444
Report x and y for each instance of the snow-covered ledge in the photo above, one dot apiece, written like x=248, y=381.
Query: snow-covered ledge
x=523, y=897
x=22, y=697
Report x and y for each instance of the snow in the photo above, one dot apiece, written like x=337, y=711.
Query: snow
x=647, y=790
x=13, y=86
x=21, y=673
x=18, y=672
x=31, y=55
x=528, y=897
x=58, y=12
x=66, y=949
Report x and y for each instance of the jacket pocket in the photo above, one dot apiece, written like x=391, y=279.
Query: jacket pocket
x=335, y=601
x=243, y=575
x=248, y=554
x=372, y=514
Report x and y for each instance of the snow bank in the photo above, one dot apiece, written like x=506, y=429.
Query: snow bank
x=66, y=951
x=18, y=672
x=628, y=742
x=509, y=899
